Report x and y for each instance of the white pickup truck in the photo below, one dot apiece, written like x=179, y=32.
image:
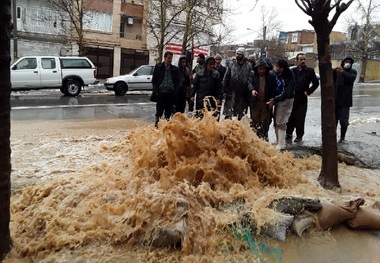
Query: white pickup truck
x=69, y=74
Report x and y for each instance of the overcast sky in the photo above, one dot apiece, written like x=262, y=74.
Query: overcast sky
x=289, y=14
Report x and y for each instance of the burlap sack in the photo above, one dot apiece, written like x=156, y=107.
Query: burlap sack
x=332, y=215
x=366, y=218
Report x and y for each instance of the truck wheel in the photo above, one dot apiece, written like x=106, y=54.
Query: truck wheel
x=62, y=90
x=120, y=89
x=72, y=88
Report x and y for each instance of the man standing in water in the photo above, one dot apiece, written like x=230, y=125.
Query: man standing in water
x=283, y=101
x=165, y=82
x=262, y=85
x=344, y=77
x=304, y=76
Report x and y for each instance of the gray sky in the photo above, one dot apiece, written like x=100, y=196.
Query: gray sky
x=288, y=12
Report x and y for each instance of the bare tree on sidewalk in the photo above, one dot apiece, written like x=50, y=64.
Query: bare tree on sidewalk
x=73, y=11
x=5, y=127
x=319, y=11
x=365, y=32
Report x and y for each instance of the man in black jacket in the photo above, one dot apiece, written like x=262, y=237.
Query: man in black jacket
x=304, y=76
x=165, y=82
x=207, y=83
x=344, y=77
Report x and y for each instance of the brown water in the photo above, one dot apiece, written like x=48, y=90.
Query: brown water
x=103, y=191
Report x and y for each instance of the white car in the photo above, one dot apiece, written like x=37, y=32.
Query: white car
x=138, y=79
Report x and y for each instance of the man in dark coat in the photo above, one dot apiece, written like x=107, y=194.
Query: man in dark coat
x=165, y=81
x=304, y=76
x=262, y=84
x=344, y=78
x=184, y=85
x=219, y=67
x=207, y=83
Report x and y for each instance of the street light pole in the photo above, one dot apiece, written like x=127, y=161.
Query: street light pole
x=263, y=53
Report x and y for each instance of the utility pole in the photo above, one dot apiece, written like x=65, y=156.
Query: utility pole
x=263, y=51
x=14, y=33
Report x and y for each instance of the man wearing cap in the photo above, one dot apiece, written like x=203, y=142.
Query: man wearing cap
x=344, y=78
x=235, y=86
x=207, y=83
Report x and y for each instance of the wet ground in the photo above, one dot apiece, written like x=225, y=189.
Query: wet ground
x=363, y=135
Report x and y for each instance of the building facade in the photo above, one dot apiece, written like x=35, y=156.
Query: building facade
x=114, y=33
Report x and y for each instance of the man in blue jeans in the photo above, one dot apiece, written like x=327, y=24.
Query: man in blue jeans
x=344, y=77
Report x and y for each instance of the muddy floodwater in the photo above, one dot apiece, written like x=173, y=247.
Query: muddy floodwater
x=114, y=190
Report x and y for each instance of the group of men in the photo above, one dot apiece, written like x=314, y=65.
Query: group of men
x=268, y=92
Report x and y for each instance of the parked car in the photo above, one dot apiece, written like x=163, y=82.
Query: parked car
x=139, y=79
x=69, y=74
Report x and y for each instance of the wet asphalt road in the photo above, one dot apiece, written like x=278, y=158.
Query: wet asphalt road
x=363, y=134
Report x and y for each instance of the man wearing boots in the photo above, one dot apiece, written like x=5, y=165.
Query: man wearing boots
x=165, y=82
x=262, y=84
x=344, y=77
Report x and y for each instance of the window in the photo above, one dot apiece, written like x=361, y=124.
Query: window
x=144, y=71
x=294, y=37
x=27, y=63
x=48, y=63
x=75, y=63
x=18, y=12
x=122, y=30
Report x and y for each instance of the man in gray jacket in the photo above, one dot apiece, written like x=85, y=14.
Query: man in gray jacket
x=235, y=86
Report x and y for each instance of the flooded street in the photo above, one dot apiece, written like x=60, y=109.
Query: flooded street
x=101, y=188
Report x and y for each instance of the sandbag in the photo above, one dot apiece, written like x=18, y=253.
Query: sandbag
x=365, y=218
x=332, y=215
x=278, y=229
x=302, y=223
x=295, y=205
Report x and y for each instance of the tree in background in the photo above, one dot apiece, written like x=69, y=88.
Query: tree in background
x=319, y=11
x=72, y=10
x=364, y=30
x=5, y=127
x=161, y=23
x=269, y=26
x=186, y=22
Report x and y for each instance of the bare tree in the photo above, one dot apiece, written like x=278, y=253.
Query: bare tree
x=269, y=24
x=185, y=21
x=364, y=32
x=73, y=10
x=5, y=128
x=162, y=19
x=319, y=11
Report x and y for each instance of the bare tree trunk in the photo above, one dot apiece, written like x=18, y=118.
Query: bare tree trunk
x=5, y=126
x=328, y=177
x=363, y=69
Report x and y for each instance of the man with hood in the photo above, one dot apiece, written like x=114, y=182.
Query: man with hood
x=344, y=78
x=207, y=83
x=184, y=85
x=235, y=86
x=304, y=76
x=219, y=67
x=262, y=84
x=165, y=81
x=283, y=100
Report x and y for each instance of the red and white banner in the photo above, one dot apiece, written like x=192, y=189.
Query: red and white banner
x=177, y=49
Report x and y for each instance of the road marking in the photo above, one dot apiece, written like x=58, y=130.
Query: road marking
x=81, y=106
